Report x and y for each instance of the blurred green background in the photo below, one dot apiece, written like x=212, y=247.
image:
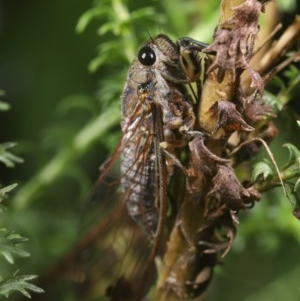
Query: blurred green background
x=60, y=84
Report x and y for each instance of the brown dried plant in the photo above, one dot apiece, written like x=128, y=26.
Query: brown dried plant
x=231, y=102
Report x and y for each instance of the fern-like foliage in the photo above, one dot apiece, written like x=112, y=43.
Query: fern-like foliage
x=9, y=249
x=19, y=283
x=10, y=242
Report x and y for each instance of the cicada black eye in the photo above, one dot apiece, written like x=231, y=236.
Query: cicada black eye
x=147, y=56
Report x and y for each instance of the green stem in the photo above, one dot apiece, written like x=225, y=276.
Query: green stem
x=56, y=167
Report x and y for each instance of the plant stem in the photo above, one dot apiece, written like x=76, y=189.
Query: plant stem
x=55, y=168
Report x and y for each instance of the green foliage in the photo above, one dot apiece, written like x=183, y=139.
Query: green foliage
x=8, y=158
x=9, y=249
x=272, y=100
x=292, y=171
x=19, y=283
x=9, y=245
x=115, y=18
x=294, y=155
x=5, y=190
x=263, y=170
x=287, y=89
x=288, y=86
x=9, y=240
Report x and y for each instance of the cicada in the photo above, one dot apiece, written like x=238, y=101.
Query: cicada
x=156, y=112
x=157, y=115
x=156, y=109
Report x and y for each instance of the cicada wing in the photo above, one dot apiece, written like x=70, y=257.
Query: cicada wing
x=120, y=251
x=113, y=256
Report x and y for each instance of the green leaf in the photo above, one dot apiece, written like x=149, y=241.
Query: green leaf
x=4, y=106
x=262, y=171
x=9, y=248
x=19, y=283
x=5, y=190
x=291, y=72
x=294, y=154
x=89, y=16
x=273, y=101
x=145, y=12
x=105, y=28
x=107, y=52
x=8, y=158
x=291, y=85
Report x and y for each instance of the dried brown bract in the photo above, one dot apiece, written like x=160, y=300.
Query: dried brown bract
x=228, y=118
x=234, y=41
x=227, y=188
x=206, y=223
x=202, y=166
x=256, y=111
x=223, y=234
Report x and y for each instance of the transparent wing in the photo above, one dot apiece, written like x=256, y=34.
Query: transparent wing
x=115, y=257
x=111, y=259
